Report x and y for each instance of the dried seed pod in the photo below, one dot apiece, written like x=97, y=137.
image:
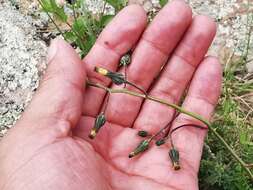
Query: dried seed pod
x=99, y=122
x=140, y=148
x=117, y=78
x=174, y=156
x=143, y=133
x=160, y=142
x=125, y=59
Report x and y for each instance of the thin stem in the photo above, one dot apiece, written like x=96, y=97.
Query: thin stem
x=103, y=9
x=165, y=127
x=71, y=28
x=69, y=25
x=125, y=73
x=49, y=16
x=174, y=117
x=137, y=87
x=180, y=109
x=187, y=125
x=74, y=11
x=181, y=126
x=106, y=103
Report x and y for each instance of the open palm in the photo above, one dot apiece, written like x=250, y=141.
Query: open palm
x=49, y=147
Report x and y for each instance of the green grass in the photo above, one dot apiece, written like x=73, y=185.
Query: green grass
x=234, y=114
x=233, y=120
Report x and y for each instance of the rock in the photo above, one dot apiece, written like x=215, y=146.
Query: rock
x=22, y=61
x=249, y=66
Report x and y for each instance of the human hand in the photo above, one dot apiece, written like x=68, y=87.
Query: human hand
x=49, y=146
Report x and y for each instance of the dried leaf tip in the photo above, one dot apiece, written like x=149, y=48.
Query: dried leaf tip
x=99, y=122
x=143, y=146
x=174, y=156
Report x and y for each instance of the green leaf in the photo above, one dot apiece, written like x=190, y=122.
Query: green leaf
x=163, y=2
x=46, y=6
x=58, y=11
x=90, y=41
x=245, y=139
x=79, y=26
x=70, y=36
x=50, y=6
x=105, y=20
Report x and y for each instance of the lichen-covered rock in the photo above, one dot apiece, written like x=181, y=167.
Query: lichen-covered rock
x=22, y=60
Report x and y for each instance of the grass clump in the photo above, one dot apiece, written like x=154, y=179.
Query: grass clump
x=234, y=121
x=78, y=25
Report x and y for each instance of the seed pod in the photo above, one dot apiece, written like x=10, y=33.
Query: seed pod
x=174, y=157
x=160, y=142
x=143, y=133
x=99, y=122
x=140, y=148
x=125, y=59
x=117, y=78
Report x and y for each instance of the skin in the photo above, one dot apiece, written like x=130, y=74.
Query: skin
x=48, y=148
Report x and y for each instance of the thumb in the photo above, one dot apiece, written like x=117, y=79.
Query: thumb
x=60, y=95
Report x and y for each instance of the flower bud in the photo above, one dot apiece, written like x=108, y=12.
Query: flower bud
x=174, y=157
x=99, y=122
x=143, y=146
x=143, y=133
x=117, y=78
x=160, y=142
x=125, y=59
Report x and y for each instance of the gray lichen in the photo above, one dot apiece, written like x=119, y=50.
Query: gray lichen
x=21, y=64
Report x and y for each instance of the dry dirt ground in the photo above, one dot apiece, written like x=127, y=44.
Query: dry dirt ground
x=22, y=53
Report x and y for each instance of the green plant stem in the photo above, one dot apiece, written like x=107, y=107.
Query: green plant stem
x=49, y=16
x=181, y=110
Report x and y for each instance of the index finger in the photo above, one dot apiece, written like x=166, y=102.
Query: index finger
x=121, y=34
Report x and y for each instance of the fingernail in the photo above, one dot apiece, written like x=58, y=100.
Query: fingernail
x=52, y=50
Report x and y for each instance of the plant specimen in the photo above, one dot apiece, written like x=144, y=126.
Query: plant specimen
x=174, y=154
x=82, y=30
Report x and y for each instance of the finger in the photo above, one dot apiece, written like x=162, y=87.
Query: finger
x=115, y=40
x=177, y=74
x=150, y=55
x=60, y=94
x=201, y=99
